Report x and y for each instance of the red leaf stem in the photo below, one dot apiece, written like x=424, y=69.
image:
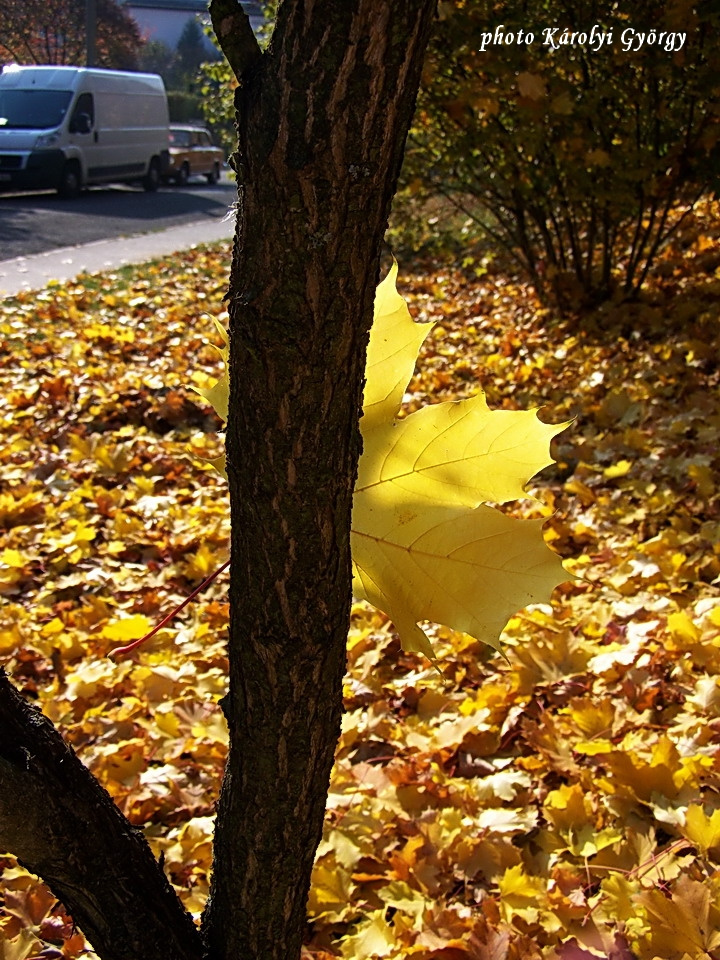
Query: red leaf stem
x=121, y=651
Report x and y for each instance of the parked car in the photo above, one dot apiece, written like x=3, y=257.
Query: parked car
x=192, y=153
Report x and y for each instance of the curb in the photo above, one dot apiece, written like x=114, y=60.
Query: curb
x=33, y=273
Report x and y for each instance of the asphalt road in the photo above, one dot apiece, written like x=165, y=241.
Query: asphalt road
x=40, y=222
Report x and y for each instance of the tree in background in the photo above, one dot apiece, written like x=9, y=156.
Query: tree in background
x=179, y=66
x=182, y=70
x=53, y=32
x=322, y=118
x=157, y=57
x=191, y=51
x=571, y=157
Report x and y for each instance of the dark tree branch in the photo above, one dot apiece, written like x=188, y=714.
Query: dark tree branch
x=62, y=825
x=235, y=36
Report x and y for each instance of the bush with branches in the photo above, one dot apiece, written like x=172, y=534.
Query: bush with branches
x=573, y=157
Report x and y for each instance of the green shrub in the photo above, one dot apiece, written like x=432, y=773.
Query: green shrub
x=217, y=84
x=572, y=157
x=184, y=107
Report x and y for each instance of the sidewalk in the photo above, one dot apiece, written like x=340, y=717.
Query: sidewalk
x=33, y=273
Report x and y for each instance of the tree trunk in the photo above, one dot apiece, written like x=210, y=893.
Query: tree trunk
x=322, y=119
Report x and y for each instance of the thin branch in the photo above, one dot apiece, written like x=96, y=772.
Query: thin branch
x=235, y=35
x=121, y=651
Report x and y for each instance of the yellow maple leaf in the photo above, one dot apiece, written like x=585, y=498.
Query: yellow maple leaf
x=425, y=545
x=685, y=923
x=702, y=830
x=569, y=809
x=374, y=937
x=618, y=897
x=128, y=628
x=218, y=395
x=332, y=890
x=521, y=895
x=12, y=558
x=682, y=628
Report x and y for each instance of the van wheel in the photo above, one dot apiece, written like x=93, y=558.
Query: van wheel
x=151, y=180
x=182, y=176
x=70, y=181
x=214, y=174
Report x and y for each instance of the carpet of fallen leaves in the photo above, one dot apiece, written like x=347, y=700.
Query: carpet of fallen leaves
x=563, y=803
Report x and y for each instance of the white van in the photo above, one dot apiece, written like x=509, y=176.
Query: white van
x=67, y=127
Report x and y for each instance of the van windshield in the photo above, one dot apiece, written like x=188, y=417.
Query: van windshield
x=33, y=109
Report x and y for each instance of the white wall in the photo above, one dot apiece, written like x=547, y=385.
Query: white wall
x=165, y=25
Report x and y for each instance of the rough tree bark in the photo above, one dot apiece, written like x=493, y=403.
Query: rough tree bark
x=322, y=118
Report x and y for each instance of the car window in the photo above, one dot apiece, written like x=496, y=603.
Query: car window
x=84, y=105
x=180, y=138
x=33, y=109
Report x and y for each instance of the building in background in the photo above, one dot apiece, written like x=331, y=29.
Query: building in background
x=163, y=21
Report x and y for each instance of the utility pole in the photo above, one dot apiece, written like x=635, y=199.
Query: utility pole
x=90, y=31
